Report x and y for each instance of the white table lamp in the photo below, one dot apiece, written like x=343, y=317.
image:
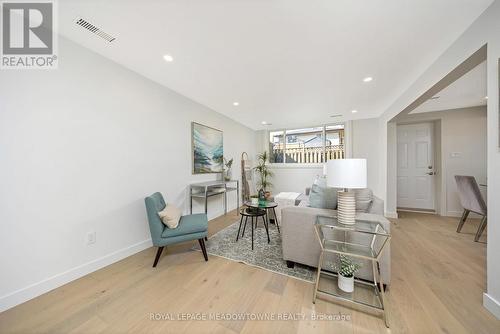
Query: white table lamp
x=346, y=174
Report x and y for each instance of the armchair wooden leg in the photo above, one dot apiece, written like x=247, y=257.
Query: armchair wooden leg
x=462, y=220
x=203, y=248
x=480, y=229
x=158, y=254
x=206, y=238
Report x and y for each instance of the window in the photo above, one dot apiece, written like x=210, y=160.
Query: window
x=334, y=146
x=304, y=145
x=307, y=145
x=276, y=146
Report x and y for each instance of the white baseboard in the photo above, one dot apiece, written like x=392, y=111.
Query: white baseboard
x=34, y=290
x=492, y=305
x=391, y=214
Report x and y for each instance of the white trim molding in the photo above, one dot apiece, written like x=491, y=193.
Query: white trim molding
x=492, y=305
x=391, y=214
x=34, y=290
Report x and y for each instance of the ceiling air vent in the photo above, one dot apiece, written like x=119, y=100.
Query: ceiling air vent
x=94, y=29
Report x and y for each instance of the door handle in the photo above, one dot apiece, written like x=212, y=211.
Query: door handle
x=430, y=173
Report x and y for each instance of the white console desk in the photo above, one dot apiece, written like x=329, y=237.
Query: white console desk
x=208, y=189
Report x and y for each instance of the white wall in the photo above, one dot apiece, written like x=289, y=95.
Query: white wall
x=360, y=143
x=294, y=179
x=463, y=133
x=364, y=145
x=81, y=146
x=485, y=30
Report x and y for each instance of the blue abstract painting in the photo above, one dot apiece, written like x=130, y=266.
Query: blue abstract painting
x=208, y=149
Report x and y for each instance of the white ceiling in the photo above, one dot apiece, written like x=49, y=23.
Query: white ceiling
x=468, y=91
x=287, y=62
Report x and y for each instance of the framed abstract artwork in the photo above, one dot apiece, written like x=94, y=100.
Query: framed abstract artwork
x=207, y=149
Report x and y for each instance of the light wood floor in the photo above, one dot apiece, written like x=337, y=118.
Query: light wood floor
x=438, y=277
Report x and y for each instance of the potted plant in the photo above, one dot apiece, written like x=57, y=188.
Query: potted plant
x=264, y=172
x=227, y=171
x=254, y=199
x=346, y=271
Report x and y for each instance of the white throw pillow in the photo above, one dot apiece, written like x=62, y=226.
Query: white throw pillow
x=170, y=216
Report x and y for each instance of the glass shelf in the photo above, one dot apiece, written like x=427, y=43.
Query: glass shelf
x=351, y=249
x=365, y=239
x=361, y=226
x=211, y=192
x=365, y=293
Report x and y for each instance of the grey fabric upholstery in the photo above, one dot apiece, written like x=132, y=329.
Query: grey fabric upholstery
x=376, y=206
x=323, y=197
x=364, y=199
x=300, y=243
x=470, y=195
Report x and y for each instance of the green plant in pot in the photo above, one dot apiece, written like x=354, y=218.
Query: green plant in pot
x=346, y=270
x=254, y=199
x=265, y=173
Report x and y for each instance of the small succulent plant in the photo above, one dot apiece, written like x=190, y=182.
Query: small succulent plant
x=347, y=267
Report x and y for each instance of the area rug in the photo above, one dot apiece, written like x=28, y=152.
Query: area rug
x=265, y=256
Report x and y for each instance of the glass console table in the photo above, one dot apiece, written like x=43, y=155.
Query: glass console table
x=208, y=189
x=337, y=239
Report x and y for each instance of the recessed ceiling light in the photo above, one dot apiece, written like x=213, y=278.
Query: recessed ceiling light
x=354, y=111
x=485, y=97
x=168, y=58
x=336, y=115
x=367, y=79
x=236, y=104
x=265, y=123
x=434, y=97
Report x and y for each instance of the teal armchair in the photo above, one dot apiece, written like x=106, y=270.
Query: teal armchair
x=191, y=227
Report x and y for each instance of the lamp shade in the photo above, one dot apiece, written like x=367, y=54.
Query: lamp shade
x=346, y=173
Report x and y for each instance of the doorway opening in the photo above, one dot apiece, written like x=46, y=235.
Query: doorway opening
x=441, y=135
x=416, y=168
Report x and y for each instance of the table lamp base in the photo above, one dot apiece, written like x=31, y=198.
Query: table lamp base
x=346, y=207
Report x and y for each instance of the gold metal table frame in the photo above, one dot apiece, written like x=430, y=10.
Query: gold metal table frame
x=333, y=239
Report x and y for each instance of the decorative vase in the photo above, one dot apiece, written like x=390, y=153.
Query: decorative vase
x=262, y=197
x=346, y=284
x=267, y=195
x=227, y=174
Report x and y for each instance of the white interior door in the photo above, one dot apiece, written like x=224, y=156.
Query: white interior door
x=416, y=171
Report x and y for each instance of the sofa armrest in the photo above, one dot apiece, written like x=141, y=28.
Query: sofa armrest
x=299, y=240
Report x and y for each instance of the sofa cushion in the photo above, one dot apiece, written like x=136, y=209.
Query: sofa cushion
x=187, y=225
x=364, y=199
x=323, y=197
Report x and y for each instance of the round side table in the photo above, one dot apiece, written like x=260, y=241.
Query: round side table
x=254, y=215
x=268, y=206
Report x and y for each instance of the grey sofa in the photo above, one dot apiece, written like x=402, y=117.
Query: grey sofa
x=300, y=243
